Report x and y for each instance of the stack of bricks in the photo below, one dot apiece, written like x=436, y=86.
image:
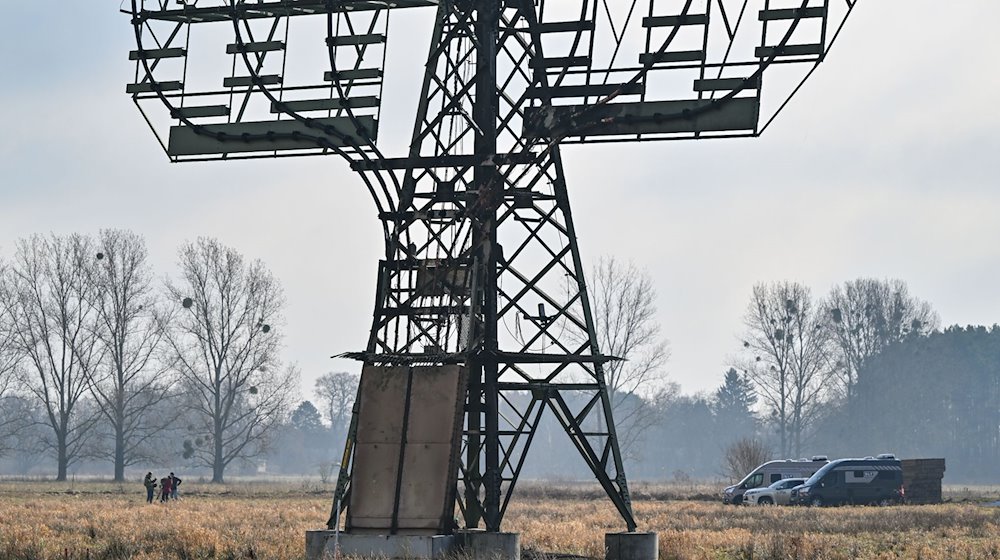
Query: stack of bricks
x=922, y=480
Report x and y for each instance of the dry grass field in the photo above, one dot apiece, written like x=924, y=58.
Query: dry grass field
x=51, y=520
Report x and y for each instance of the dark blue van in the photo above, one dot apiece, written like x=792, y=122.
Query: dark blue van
x=872, y=480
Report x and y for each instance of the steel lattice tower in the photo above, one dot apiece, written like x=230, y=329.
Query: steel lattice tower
x=482, y=267
x=495, y=222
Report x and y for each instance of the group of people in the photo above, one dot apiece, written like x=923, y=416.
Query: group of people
x=168, y=487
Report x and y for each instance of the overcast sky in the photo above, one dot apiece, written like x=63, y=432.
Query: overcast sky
x=886, y=165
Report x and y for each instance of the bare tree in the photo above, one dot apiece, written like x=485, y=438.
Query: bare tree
x=624, y=307
x=866, y=315
x=8, y=355
x=336, y=392
x=51, y=294
x=225, y=347
x=10, y=418
x=129, y=381
x=24, y=431
x=787, y=358
x=744, y=455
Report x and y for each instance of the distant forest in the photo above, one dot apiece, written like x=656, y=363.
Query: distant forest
x=929, y=395
x=106, y=371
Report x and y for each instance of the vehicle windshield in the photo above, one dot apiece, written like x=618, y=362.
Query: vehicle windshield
x=753, y=480
x=748, y=477
x=820, y=473
x=786, y=483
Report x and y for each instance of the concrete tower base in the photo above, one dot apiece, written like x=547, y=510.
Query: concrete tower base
x=490, y=546
x=474, y=544
x=320, y=546
x=631, y=546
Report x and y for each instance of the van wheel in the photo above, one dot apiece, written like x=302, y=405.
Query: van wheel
x=765, y=501
x=884, y=502
x=816, y=501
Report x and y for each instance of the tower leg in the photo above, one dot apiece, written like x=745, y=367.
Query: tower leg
x=487, y=545
x=631, y=546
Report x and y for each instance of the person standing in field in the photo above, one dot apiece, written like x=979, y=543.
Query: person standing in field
x=174, y=483
x=150, y=484
x=164, y=489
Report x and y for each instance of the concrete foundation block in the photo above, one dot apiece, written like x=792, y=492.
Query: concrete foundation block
x=631, y=546
x=320, y=546
x=490, y=546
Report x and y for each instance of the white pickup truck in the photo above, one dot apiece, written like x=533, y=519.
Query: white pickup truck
x=778, y=493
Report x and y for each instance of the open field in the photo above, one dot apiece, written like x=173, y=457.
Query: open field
x=48, y=520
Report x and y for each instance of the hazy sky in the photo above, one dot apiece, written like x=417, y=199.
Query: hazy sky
x=886, y=165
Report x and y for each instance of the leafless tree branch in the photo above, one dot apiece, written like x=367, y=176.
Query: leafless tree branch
x=786, y=353
x=224, y=345
x=624, y=309
x=51, y=306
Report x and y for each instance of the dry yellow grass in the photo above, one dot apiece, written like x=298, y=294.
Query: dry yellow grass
x=113, y=526
x=105, y=521
x=708, y=531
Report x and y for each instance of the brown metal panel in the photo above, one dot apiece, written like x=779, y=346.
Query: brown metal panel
x=427, y=475
x=373, y=481
x=433, y=410
x=425, y=484
x=376, y=457
x=383, y=396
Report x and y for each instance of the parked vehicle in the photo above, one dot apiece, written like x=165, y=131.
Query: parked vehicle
x=872, y=480
x=778, y=493
x=771, y=472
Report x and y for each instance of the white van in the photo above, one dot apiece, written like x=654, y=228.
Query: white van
x=771, y=472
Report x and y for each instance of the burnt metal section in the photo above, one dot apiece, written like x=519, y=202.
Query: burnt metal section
x=405, y=459
x=253, y=136
x=665, y=117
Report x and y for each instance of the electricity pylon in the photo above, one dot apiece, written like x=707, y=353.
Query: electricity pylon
x=481, y=269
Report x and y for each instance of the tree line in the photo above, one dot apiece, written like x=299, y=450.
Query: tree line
x=99, y=360
x=864, y=370
x=102, y=362
x=930, y=396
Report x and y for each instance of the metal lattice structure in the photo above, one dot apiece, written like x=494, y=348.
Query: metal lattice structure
x=481, y=264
